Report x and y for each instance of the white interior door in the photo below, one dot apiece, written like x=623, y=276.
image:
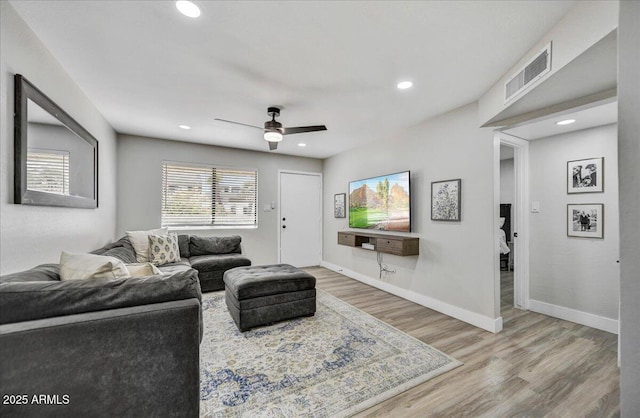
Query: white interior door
x=300, y=218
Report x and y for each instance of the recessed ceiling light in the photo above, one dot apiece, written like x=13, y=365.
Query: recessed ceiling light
x=188, y=8
x=403, y=85
x=185, y=127
x=566, y=122
x=302, y=144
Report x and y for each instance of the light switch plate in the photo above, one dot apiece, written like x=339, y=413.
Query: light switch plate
x=535, y=207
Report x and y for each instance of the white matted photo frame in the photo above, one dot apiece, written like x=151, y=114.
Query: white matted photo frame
x=585, y=220
x=339, y=205
x=585, y=176
x=446, y=196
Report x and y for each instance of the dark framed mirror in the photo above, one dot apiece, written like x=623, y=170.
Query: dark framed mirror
x=56, y=159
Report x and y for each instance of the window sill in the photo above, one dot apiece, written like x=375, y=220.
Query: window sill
x=205, y=228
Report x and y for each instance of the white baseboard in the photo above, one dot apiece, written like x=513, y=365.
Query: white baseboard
x=475, y=319
x=568, y=314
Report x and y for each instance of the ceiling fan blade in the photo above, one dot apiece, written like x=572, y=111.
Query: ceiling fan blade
x=303, y=129
x=239, y=123
x=273, y=145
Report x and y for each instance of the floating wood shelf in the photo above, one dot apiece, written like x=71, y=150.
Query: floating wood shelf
x=390, y=244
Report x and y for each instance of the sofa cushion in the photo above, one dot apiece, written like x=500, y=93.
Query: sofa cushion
x=142, y=269
x=121, y=249
x=214, y=245
x=140, y=242
x=41, y=273
x=91, y=266
x=163, y=249
x=24, y=301
x=183, y=244
x=213, y=262
x=172, y=268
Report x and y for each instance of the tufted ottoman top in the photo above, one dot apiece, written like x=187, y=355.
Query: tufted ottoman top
x=256, y=281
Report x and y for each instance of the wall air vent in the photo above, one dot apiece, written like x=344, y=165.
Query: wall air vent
x=532, y=71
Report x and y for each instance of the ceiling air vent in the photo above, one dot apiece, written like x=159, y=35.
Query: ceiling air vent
x=533, y=70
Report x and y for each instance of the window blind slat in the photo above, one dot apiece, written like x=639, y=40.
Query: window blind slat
x=208, y=195
x=48, y=171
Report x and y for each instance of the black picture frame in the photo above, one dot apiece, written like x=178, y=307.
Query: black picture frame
x=585, y=176
x=340, y=205
x=446, y=200
x=585, y=220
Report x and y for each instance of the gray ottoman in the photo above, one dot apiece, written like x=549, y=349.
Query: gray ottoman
x=261, y=295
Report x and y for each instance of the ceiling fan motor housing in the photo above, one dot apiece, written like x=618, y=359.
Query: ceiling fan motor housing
x=273, y=125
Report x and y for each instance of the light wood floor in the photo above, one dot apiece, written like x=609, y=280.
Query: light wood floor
x=537, y=366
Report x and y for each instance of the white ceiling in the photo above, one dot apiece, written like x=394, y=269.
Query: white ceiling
x=584, y=119
x=148, y=69
x=590, y=116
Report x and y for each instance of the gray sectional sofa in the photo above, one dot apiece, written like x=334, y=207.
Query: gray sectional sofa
x=210, y=256
x=100, y=347
x=109, y=347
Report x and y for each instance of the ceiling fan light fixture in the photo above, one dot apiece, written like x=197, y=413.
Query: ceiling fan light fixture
x=188, y=8
x=272, y=136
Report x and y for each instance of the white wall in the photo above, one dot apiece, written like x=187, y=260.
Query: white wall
x=140, y=185
x=507, y=182
x=576, y=273
x=455, y=268
x=33, y=235
x=629, y=155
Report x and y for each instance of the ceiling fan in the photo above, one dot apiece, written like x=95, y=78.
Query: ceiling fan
x=274, y=131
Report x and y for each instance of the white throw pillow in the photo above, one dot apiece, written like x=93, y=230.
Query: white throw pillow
x=140, y=242
x=163, y=249
x=142, y=269
x=91, y=266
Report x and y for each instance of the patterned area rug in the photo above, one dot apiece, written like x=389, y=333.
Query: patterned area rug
x=339, y=362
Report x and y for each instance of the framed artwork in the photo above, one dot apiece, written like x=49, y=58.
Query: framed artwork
x=446, y=200
x=339, y=205
x=585, y=176
x=585, y=220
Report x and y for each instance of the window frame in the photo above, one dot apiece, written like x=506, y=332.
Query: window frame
x=206, y=226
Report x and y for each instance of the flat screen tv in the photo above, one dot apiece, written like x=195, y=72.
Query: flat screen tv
x=382, y=203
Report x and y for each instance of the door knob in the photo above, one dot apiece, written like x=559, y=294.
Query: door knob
x=284, y=226
x=284, y=219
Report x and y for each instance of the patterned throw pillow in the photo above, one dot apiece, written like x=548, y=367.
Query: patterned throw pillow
x=140, y=242
x=163, y=249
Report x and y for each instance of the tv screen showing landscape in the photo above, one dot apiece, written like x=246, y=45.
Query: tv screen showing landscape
x=382, y=203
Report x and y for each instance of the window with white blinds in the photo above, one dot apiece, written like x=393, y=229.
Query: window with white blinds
x=197, y=195
x=48, y=171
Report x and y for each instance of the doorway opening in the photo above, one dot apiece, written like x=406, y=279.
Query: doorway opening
x=511, y=225
x=507, y=234
x=552, y=146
